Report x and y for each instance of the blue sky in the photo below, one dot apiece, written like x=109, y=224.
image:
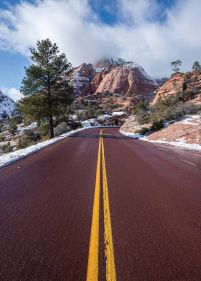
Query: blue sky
x=149, y=32
x=11, y=69
x=107, y=10
x=11, y=63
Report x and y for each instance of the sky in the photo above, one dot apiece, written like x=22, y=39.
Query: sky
x=151, y=33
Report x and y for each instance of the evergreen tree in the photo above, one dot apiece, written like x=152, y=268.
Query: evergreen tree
x=46, y=84
x=176, y=65
x=196, y=66
x=12, y=126
x=89, y=111
x=1, y=125
x=5, y=115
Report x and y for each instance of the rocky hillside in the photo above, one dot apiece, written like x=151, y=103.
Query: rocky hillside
x=187, y=85
x=175, y=113
x=6, y=105
x=81, y=79
x=187, y=130
x=111, y=76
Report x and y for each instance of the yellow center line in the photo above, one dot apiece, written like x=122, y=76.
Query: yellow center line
x=109, y=249
x=93, y=262
x=92, y=268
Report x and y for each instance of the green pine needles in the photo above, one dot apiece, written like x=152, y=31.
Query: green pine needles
x=46, y=85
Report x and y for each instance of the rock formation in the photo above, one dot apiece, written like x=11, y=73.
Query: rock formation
x=189, y=82
x=109, y=76
x=187, y=130
x=6, y=105
x=81, y=79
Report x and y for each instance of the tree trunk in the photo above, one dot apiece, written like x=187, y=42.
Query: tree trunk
x=51, y=125
x=51, y=122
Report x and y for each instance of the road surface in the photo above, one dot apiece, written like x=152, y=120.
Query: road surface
x=99, y=206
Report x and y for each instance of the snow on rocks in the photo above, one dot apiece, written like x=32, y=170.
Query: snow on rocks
x=22, y=128
x=6, y=105
x=118, y=113
x=90, y=123
x=104, y=117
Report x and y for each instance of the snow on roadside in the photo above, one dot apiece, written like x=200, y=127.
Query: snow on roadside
x=191, y=120
x=131, y=135
x=11, y=157
x=178, y=143
x=90, y=123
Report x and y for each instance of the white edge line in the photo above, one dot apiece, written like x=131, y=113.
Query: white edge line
x=188, y=162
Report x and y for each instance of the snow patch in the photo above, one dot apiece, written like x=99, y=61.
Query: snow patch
x=180, y=143
x=118, y=113
x=12, y=157
x=99, y=69
x=131, y=135
x=6, y=105
x=191, y=120
x=90, y=123
x=32, y=126
x=104, y=117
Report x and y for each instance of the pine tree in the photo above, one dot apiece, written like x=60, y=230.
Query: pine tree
x=46, y=84
x=176, y=65
x=196, y=66
x=89, y=111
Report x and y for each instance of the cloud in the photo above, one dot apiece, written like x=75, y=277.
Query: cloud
x=145, y=32
x=138, y=11
x=12, y=93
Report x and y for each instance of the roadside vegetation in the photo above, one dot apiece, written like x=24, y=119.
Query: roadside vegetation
x=172, y=108
x=168, y=110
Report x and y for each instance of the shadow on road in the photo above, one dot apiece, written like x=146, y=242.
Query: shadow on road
x=96, y=136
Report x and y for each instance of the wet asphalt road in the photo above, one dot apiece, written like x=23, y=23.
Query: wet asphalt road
x=46, y=204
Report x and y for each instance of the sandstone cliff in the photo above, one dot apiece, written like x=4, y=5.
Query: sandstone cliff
x=111, y=77
x=128, y=81
x=188, y=84
x=187, y=130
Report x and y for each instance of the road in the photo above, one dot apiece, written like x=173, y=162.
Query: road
x=99, y=206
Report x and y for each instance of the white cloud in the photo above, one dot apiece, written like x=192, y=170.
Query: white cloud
x=138, y=11
x=12, y=93
x=138, y=35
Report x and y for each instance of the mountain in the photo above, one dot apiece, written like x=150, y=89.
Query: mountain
x=113, y=76
x=127, y=80
x=6, y=105
x=81, y=79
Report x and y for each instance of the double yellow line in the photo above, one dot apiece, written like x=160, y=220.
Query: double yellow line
x=92, y=269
